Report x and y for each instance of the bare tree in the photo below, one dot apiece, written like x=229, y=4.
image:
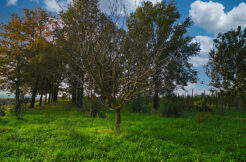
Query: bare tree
x=120, y=63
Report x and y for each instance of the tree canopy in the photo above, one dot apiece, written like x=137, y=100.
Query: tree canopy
x=227, y=63
x=86, y=49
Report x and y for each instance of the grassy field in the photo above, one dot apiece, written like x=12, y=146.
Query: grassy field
x=57, y=134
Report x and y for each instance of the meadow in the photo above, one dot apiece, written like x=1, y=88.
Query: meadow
x=60, y=132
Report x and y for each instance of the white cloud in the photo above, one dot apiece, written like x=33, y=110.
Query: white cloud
x=52, y=6
x=206, y=44
x=197, y=89
x=212, y=17
x=123, y=6
x=198, y=61
x=11, y=2
x=56, y=5
x=14, y=2
x=36, y=1
x=129, y=5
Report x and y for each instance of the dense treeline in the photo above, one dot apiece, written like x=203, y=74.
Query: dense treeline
x=104, y=64
x=30, y=61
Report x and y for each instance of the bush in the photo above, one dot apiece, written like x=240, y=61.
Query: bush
x=201, y=105
x=211, y=107
x=94, y=108
x=170, y=108
x=2, y=112
x=138, y=105
x=64, y=96
x=6, y=109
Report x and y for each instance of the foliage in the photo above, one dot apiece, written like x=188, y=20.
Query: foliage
x=200, y=105
x=29, y=60
x=6, y=109
x=227, y=63
x=94, y=108
x=2, y=111
x=171, y=107
x=138, y=105
x=13, y=55
x=105, y=54
x=118, y=64
x=86, y=49
x=64, y=97
x=154, y=29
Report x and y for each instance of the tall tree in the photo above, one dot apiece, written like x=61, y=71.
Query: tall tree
x=105, y=53
x=44, y=62
x=124, y=64
x=38, y=23
x=78, y=24
x=155, y=27
x=227, y=63
x=13, y=55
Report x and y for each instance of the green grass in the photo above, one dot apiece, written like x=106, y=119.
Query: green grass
x=57, y=134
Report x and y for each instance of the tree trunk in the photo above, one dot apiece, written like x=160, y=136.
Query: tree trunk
x=49, y=97
x=17, y=99
x=51, y=93
x=74, y=95
x=41, y=95
x=91, y=93
x=81, y=93
x=34, y=93
x=55, y=94
x=17, y=94
x=80, y=97
x=46, y=91
x=156, y=99
x=45, y=99
x=117, y=119
x=77, y=96
x=41, y=100
x=192, y=98
x=156, y=94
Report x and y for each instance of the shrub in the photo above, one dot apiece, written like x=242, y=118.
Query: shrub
x=138, y=105
x=6, y=109
x=201, y=105
x=2, y=112
x=64, y=96
x=170, y=108
x=211, y=107
x=94, y=108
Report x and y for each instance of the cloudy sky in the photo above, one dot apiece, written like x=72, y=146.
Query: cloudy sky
x=209, y=17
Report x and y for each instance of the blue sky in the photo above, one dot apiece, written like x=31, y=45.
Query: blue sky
x=209, y=17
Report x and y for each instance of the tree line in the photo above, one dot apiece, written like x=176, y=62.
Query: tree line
x=87, y=49
x=29, y=61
